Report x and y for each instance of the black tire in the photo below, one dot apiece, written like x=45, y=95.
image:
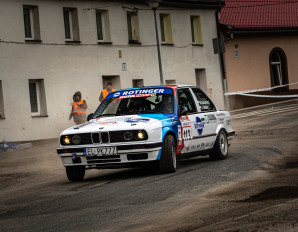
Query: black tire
x=220, y=149
x=75, y=173
x=167, y=162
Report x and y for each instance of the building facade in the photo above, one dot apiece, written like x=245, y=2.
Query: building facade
x=50, y=49
x=260, y=49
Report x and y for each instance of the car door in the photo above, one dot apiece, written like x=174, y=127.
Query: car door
x=207, y=121
x=186, y=131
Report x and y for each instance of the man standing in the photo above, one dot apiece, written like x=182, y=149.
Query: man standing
x=104, y=93
x=78, y=110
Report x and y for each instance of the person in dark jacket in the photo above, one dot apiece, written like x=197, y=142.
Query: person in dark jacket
x=78, y=110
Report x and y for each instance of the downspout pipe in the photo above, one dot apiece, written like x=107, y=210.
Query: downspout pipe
x=222, y=63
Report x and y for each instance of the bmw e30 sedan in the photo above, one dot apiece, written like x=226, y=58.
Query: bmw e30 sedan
x=159, y=124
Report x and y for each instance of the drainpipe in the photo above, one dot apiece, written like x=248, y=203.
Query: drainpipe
x=222, y=63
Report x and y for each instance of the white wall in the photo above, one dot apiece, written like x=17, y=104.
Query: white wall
x=68, y=68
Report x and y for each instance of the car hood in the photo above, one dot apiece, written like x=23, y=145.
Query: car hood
x=129, y=122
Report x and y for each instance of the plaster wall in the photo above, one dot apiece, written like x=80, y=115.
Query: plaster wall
x=67, y=68
x=251, y=70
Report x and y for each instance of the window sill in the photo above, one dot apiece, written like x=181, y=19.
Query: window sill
x=132, y=42
x=72, y=41
x=104, y=43
x=167, y=44
x=39, y=116
x=33, y=41
x=197, y=45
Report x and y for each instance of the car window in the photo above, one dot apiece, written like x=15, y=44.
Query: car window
x=205, y=103
x=185, y=99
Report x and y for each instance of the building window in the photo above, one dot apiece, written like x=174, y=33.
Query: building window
x=103, y=26
x=165, y=29
x=31, y=23
x=196, y=32
x=2, y=115
x=133, y=28
x=170, y=82
x=37, y=97
x=71, y=25
x=137, y=83
x=278, y=69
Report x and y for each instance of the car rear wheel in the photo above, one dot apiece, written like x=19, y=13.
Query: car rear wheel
x=75, y=173
x=220, y=149
x=167, y=162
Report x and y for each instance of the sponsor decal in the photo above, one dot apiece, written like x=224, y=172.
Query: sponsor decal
x=106, y=123
x=229, y=122
x=199, y=125
x=210, y=118
x=204, y=102
x=221, y=120
x=140, y=93
x=220, y=115
x=206, y=118
x=179, y=132
x=137, y=120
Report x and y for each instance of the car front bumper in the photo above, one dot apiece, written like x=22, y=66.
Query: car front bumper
x=126, y=154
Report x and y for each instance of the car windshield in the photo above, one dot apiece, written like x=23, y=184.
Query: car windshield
x=137, y=101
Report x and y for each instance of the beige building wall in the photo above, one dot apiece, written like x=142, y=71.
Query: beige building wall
x=251, y=69
x=67, y=68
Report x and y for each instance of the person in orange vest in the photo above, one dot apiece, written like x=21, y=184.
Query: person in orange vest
x=106, y=91
x=78, y=110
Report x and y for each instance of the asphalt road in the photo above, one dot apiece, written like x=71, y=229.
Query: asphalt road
x=254, y=189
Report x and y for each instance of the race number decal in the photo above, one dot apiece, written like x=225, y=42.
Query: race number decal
x=185, y=131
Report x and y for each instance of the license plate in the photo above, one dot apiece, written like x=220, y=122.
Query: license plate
x=101, y=151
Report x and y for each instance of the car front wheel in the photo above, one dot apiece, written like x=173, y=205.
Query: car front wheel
x=75, y=173
x=167, y=162
x=220, y=149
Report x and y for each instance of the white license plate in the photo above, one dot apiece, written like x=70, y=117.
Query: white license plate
x=101, y=151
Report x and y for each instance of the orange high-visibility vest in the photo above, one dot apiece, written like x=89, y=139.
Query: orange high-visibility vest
x=105, y=93
x=77, y=109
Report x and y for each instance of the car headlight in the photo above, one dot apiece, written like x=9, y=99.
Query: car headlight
x=76, y=139
x=66, y=140
x=141, y=135
x=128, y=135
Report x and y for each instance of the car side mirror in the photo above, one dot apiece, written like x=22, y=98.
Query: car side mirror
x=90, y=116
x=183, y=111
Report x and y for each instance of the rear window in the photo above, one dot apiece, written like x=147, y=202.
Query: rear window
x=205, y=103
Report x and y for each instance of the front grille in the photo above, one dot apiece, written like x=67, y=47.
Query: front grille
x=102, y=137
x=116, y=136
x=105, y=138
x=95, y=138
x=86, y=138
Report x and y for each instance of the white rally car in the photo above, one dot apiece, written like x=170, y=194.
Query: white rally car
x=132, y=127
